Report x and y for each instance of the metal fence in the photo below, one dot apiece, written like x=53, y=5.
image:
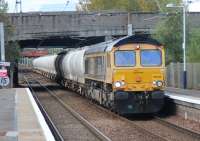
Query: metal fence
x=174, y=75
x=28, y=62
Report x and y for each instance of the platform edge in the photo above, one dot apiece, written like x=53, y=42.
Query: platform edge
x=47, y=132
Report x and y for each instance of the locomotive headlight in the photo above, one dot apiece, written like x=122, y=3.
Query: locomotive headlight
x=154, y=82
x=117, y=84
x=159, y=83
x=123, y=83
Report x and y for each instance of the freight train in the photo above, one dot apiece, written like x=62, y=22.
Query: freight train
x=126, y=75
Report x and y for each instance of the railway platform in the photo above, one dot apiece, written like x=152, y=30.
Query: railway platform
x=187, y=102
x=20, y=118
x=186, y=97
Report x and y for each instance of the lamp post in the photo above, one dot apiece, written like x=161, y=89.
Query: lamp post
x=129, y=25
x=183, y=6
x=2, y=50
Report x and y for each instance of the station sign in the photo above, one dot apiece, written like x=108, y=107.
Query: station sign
x=3, y=73
x=4, y=79
x=5, y=64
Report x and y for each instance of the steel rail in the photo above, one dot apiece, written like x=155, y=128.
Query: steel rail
x=157, y=119
x=53, y=128
x=87, y=124
x=179, y=128
x=147, y=132
x=141, y=129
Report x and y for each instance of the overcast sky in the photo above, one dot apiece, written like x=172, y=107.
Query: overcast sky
x=42, y=5
x=60, y=5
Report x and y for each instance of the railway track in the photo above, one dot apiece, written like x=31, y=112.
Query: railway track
x=97, y=135
x=141, y=129
x=166, y=131
x=85, y=122
x=157, y=119
x=176, y=127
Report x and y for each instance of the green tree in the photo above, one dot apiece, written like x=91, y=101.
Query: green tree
x=193, y=46
x=125, y=5
x=161, y=4
x=12, y=51
x=3, y=6
x=169, y=33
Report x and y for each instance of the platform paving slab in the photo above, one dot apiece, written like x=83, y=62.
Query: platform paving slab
x=18, y=120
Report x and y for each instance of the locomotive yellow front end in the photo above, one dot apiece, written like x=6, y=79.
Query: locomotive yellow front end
x=138, y=77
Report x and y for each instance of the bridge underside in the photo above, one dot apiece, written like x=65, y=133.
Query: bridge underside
x=61, y=42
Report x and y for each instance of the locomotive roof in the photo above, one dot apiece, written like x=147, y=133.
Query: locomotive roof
x=107, y=46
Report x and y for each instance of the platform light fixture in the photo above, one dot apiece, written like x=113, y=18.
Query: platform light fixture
x=184, y=7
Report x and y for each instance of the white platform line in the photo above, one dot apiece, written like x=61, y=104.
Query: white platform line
x=47, y=133
x=188, y=99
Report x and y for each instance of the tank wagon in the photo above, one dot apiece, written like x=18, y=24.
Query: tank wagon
x=126, y=75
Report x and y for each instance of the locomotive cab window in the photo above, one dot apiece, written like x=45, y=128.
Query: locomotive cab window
x=124, y=58
x=151, y=58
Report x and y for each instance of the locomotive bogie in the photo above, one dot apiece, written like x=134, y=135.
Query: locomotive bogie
x=138, y=102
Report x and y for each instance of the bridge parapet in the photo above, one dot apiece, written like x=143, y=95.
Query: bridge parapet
x=44, y=24
x=40, y=25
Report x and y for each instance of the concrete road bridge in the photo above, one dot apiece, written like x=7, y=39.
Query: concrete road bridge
x=71, y=29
